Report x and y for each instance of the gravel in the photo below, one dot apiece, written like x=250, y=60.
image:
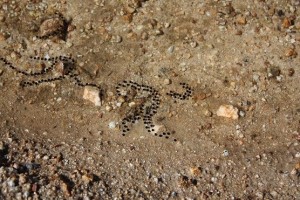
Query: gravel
x=239, y=54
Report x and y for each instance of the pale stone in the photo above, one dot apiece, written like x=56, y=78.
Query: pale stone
x=92, y=94
x=132, y=104
x=108, y=108
x=167, y=81
x=112, y=125
x=228, y=111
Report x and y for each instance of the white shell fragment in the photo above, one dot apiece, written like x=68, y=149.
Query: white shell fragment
x=92, y=94
x=228, y=111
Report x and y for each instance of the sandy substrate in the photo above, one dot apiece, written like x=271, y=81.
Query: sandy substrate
x=235, y=137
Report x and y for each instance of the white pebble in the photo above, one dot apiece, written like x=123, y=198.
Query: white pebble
x=131, y=104
x=167, y=81
x=11, y=183
x=242, y=113
x=112, y=125
x=228, y=111
x=92, y=94
x=225, y=153
x=45, y=157
x=116, y=39
x=171, y=49
x=69, y=44
x=193, y=44
x=108, y=108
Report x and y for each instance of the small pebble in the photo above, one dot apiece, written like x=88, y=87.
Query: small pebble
x=208, y=113
x=241, y=20
x=2, y=37
x=167, y=81
x=112, y=125
x=116, y=39
x=195, y=171
x=291, y=52
x=286, y=23
x=274, y=193
x=193, y=44
x=108, y=108
x=2, y=145
x=87, y=178
x=228, y=111
x=11, y=183
x=50, y=26
x=242, y=113
x=225, y=153
x=92, y=94
x=132, y=104
x=171, y=49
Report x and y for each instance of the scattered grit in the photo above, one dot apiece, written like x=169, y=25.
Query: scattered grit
x=238, y=138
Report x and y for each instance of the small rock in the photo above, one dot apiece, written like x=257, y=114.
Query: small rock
x=213, y=179
x=228, y=111
x=2, y=18
x=22, y=179
x=279, y=78
x=158, y=32
x=121, y=99
x=2, y=145
x=46, y=157
x=128, y=18
x=92, y=94
x=86, y=178
x=273, y=71
x=239, y=32
x=171, y=49
x=88, y=26
x=69, y=44
x=242, y=113
x=286, y=23
x=167, y=81
x=116, y=39
x=225, y=153
x=193, y=44
x=184, y=182
x=259, y=195
x=274, y=193
x=200, y=96
x=195, y=171
x=51, y=26
x=112, y=125
x=60, y=69
x=108, y=108
x=291, y=72
x=208, y=113
x=131, y=104
x=174, y=194
x=256, y=78
x=15, y=166
x=3, y=37
x=11, y=183
x=241, y=20
x=167, y=25
x=145, y=36
x=291, y=52
x=64, y=187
